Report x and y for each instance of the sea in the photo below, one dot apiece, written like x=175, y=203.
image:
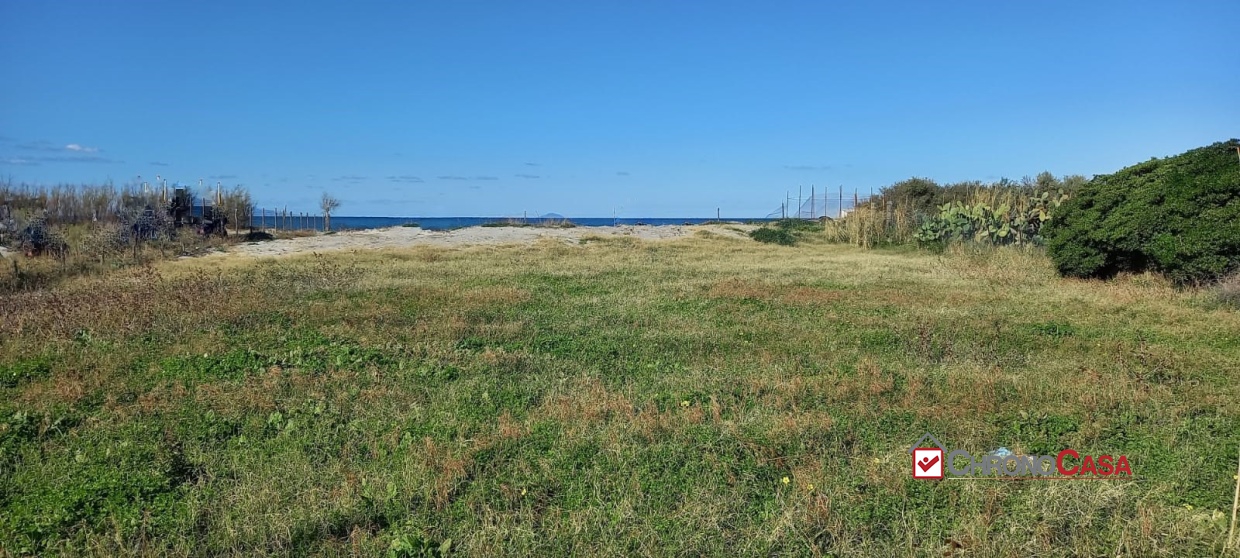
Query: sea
x=446, y=223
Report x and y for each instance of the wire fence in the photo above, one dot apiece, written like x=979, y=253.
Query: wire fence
x=818, y=204
x=285, y=220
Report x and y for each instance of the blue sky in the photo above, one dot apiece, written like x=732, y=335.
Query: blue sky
x=648, y=108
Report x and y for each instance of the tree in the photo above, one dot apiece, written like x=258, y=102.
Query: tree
x=328, y=204
x=920, y=195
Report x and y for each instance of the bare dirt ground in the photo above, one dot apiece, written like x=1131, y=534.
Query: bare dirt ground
x=397, y=237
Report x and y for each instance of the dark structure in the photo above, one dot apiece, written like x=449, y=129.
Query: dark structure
x=210, y=221
x=181, y=208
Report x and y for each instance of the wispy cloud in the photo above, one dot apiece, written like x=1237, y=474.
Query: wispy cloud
x=222, y=176
x=405, y=178
x=38, y=145
x=158, y=164
x=622, y=173
x=349, y=178
x=531, y=164
x=70, y=153
x=528, y=176
x=42, y=145
x=455, y=177
x=75, y=159
x=808, y=167
x=18, y=161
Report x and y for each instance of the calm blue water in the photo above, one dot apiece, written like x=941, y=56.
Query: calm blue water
x=443, y=223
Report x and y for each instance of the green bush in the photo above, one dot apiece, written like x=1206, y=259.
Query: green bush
x=769, y=235
x=1179, y=216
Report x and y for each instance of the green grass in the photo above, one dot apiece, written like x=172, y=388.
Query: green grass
x=609, y=398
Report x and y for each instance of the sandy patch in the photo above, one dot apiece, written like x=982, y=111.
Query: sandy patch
x=397, y=237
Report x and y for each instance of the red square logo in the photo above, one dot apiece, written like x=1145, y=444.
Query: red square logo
x=928, y=463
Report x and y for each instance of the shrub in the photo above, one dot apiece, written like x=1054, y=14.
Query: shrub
x=1179, y=216
x=38, y=237
x=773, y=235
x=258, y=236
x=924, y=198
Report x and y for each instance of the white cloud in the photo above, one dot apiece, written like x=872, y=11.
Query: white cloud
x=81, y=148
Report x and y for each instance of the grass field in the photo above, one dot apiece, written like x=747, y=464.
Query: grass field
x=707, y=396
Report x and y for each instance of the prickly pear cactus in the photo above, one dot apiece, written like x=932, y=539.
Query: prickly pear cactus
x=1009, y=223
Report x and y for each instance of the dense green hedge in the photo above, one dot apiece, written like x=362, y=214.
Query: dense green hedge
x=1179, y=216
